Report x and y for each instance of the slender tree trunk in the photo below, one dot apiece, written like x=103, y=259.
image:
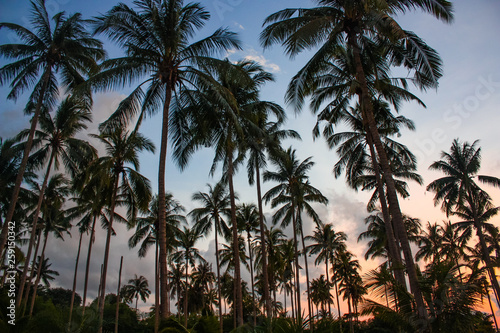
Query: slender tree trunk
x=292, y=302
x=186, y=297
x=87, y=266
x=394, y=253
x=367, y=113
x=38, y=274
x=238, y=302
x=251, y=279
x=217, y=227
x=297, y=280
x=117, y=311
x=106, y=253
x=74, y=282
x=99, y=288
x=24, y=163
x=338, y=304
x=351, y=324
x=491, y=308
x=307, y=277
x=33, y=229
x=162, y=228
x=328, y=280
x=157, y=291
x=32, y=273
x=265, y=274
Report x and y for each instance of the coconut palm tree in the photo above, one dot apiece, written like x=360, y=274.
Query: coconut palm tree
x=294, y=192
x=46, y=274
x=138, y=287
x=176, y=283
x=56, y=143
x=157, y=38
x=320, y=293
x=215, y=207
x=459, y=194
x=325, y=243
x=357, y=25
x=187, y=252
x=203, y=279
x=63, y=47
x=122, y=150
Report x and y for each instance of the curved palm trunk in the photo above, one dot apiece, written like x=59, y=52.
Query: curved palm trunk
x=251, y=280
x=367, y=113
x=265, y=276
x=162, y=229
x=91, y=241
x=307, y=278
x=106, y=255
x=217, y=222
x=338, y=304
x=33, y=229
x=238, y=302
x=491, y=308
x=38, y=274
x=74, y=281
x=22, y=167
x=392, y=247
x=117, y=310
x=328, y=280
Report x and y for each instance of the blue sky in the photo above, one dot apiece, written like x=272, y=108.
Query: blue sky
x=466, y=105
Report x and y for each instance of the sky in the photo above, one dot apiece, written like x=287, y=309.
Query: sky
x=465, y=106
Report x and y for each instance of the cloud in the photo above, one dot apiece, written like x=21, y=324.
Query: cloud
x=273, y=68
x=239, y=25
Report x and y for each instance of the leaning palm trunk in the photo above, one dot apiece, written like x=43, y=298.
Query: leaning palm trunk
x=368, y=118
x=157, y=290
x=338, y=303
x=117, y=310
x=38, y=274
x=22, y=168
x=91, y=241
x=162, y=228
x=186, y=295
x=251, y=280
x=74, y=281
x=33, y=230
x=265, y=276
x=491, y=308
x=238, y=301
x=102, y=294
x=392, y=247
x=32, y=274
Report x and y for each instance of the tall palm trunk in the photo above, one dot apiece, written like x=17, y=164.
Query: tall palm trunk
x=32, y=273
x=392, y=247
x=157, y=290
x=217, y=222
x=251, y=279
x=265, y=276
x=22, y=167
x=87, y=266
x=307, y=277
x=117, y=310
x=367, y=114
x=106, y=254
x=238, y=301
x=351, y=324
x=186, y=296
x=296, y=254
x=33, y=229
x=74, y=281
x=338, y=303
x=491, y=308
x=38, y=274
x=328, y=281
x=162, y=228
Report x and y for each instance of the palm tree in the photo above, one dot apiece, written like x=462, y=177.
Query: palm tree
x=157, y=39
x=122, y=149
x=186, y=252
x=211, y=215
x=325, y=243
x=248, y=220
x=138, y=287
x=54, y=220
x=294, y=192
x=221, y=118
x=356, y=25
x=176, y=283
x=147, y=232
x=460, y=195
x=46, y=274
x=63, y=48
x=203, y=278
x=429, y=244
x=57, y=142
x=320, y=293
